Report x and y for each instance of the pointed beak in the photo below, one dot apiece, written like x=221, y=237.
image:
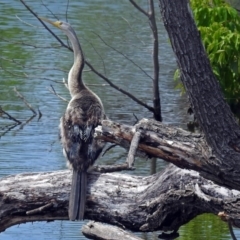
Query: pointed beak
x=55, y=24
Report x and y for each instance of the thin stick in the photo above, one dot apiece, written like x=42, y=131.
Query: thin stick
x=8, y=128
x=231, y=230
x=39, y=114
x=138, y=8
x=118, y=88
x=49, y=9
x=40, y=209
x=104, y=67
x=112, y=168
x=109, y=148
x=129, y=59
x=9, y=116
x=25, y=101
x=133, y=148
x=28, y=24
x=52, y=90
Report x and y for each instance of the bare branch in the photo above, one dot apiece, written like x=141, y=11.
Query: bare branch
x=156, y=92
x=125, y=56
x=133, y=148
x=67, y=11
x=28, y=24
x=9, y=116
x=8, y=128
x=139, y=8
x=52, y=90
x=25, y=101
x=118, y=88
x=49, y=9
x=133, y=31
x=97, y=230
x=39, y=114
x=112, y=168
x=104, y=67
x=26, y=122
x=40, y=209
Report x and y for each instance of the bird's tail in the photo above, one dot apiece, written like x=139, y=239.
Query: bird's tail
x=77, y=198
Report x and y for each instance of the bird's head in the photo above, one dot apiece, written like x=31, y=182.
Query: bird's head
x=65, y=27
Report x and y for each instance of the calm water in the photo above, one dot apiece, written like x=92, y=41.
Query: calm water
x=31, y=60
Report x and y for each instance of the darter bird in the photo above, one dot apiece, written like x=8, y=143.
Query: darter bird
x=84, y=112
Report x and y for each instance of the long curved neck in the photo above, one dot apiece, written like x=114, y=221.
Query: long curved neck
x=75, y=83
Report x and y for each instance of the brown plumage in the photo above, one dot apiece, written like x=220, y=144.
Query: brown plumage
x=84, y=112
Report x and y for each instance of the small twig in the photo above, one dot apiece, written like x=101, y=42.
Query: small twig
x=67, y=10
x=28, y=24
x=49, y=9
x=65, y=83
x=119, y=89
x=112, y=168
x=125, y=56
x=109, y=148
x=8, y=128
x=52, y=90
x=133, y=148
x=26, y=122
x=225, y=217
x=133, y=31
x=9, y=116
x=97, y=85
x=104, y=67
x=138, y=7
x=25, y=101
x=231, y=230
x=136, y=118
x=39, y=114
x=40, y=209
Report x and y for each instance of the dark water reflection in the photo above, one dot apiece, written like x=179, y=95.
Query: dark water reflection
x=35, y=146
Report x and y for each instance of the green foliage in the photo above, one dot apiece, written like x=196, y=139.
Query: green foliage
x=219, y=25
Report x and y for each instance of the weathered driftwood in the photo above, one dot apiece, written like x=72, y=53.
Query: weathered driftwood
x=175, y=145
x=163, y=201
x=99, y=231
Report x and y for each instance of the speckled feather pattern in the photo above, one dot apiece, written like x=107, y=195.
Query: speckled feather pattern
x=83, y=114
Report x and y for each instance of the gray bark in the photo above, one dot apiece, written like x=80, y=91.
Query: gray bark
x=212, y=112
x=163, y=201
x=99, y=231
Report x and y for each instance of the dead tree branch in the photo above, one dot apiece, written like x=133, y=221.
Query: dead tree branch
x=25, y=101
x=163, y=201
x=99, y=231
x=10, y=117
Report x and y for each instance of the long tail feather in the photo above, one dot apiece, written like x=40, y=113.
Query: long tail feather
x=77, y=198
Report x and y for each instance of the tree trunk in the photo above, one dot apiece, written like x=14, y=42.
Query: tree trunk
x=212, y=112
